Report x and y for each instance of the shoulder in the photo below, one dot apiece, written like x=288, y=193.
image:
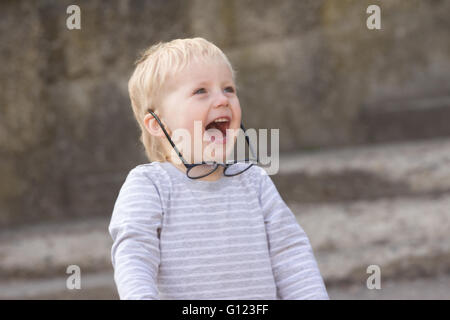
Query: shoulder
x=257, y=175
x=142, y=181
x=148, y=176
x=151, y=172
x=258, y=171
x=139, y=196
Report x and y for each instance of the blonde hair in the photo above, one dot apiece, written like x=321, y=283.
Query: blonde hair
x=154, y=66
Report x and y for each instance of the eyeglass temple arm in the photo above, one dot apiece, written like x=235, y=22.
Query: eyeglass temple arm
x=179, y=153
x=168, y=137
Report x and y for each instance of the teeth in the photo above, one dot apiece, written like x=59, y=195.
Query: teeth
x=221, y=120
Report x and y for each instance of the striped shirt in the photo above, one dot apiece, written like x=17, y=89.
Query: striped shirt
x=233, y=238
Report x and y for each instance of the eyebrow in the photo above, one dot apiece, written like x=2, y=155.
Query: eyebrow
x=205, y=82
x=201, y=83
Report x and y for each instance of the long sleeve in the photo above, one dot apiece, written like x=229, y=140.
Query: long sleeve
x=295, y=269
x=134, y=228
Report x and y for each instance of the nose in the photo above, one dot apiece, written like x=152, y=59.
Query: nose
x=220, y=100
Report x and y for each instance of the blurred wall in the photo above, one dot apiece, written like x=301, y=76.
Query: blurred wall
x=310, y=68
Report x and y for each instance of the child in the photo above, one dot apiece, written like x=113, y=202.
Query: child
x=216, y=236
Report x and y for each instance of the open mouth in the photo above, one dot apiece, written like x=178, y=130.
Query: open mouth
x=221, y=124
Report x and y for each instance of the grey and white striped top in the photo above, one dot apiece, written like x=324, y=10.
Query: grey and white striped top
x=234, y=238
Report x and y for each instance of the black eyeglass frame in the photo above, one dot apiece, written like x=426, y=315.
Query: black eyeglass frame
x=190, y=166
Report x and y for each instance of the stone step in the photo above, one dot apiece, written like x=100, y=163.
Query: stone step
x=343, y=174
x=429, y=288
x=47, y=249
x=99, y=286
x=406, y=119
x=366, y=172
x=94, y=285
x=406, y=237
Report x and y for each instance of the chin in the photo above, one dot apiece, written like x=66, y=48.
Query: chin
x=218, y=152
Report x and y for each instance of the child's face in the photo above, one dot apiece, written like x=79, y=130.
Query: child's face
x=203, y=92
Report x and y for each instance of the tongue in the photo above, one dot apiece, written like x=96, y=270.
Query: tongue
x=215, y=134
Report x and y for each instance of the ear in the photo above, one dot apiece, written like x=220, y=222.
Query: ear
x=153, y=126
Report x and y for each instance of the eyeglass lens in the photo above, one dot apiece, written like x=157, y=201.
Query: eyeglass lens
x=201, y=170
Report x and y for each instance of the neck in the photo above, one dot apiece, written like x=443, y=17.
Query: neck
x=216, y=175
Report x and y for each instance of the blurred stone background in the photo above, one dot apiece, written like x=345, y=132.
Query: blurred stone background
x=363, y=118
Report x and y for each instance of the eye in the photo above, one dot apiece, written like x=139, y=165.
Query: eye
x=199, y=91
x=229, y=89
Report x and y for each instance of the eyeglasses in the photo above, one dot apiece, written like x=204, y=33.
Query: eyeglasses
x=205, y=168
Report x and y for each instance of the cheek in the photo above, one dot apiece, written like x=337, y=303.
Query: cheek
x=195, y=115
x=188, y=122
x=237, y=113
x=183, y=119
x=238, y=110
